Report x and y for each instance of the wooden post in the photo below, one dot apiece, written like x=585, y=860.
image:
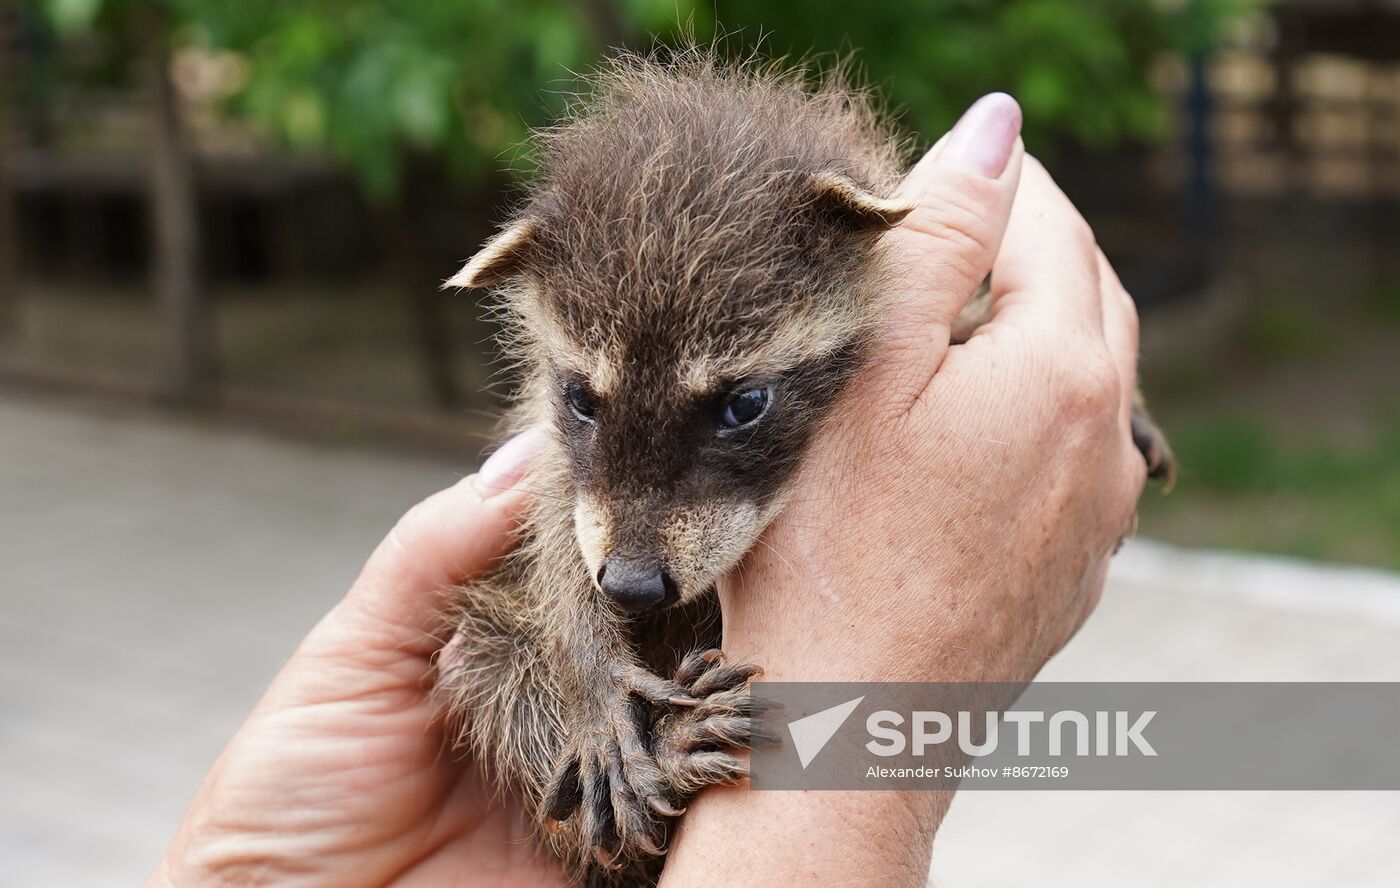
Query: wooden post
x=190, y=368
x=427, y=304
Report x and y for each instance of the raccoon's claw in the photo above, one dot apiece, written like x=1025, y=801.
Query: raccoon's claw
x=616, y=819
x=644, y=685
x=664, y=808
x=722, y=678
x=695, y=665
x=651, y=847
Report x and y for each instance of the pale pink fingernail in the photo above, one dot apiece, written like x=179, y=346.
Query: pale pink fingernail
x=507, y=464
x=985, y=135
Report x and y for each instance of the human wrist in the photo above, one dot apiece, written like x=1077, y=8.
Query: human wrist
x=827, y=838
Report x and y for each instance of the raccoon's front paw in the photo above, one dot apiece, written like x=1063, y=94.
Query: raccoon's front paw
x=695, y=746
x=609, y=777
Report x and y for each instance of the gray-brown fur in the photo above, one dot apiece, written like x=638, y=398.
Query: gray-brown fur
x=698, y=232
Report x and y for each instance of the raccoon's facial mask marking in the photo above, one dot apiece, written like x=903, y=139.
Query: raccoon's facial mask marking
x=673, y=487
x=746, y=404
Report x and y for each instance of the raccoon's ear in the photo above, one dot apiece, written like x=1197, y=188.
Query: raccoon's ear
x=500, y=258
x=848, y=200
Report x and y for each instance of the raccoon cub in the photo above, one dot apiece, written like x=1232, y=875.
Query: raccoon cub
x=688, y=287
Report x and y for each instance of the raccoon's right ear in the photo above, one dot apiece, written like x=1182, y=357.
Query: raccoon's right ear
x=500, y=258
x=848, y=200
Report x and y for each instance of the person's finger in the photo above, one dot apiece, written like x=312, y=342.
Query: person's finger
x=943, y=250
x=1047, y=268
x=1120, y=330
x=448, y=537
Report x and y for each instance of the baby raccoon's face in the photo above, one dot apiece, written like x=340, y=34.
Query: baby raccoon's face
x=688, y=339
x=687, y=367
x=677, y=470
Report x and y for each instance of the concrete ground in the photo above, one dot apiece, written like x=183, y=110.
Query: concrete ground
x=155, y=572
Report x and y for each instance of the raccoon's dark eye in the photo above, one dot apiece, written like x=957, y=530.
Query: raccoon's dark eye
x=745, y=407
x=581, y=402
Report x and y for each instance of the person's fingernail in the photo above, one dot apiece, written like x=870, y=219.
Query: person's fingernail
x=984, y=137
x=507, y=464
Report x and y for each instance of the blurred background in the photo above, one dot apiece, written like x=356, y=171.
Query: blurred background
x=225, y=365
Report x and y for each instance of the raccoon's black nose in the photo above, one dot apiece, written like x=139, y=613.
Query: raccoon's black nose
x=636, y=585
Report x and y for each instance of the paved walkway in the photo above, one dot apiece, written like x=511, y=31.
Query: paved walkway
x=154, y=573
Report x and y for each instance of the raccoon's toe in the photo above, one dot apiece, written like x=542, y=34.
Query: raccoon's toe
x=627, y=774
x=619, y=823
x=705, y=672
x=608, y=795
x=695, y=746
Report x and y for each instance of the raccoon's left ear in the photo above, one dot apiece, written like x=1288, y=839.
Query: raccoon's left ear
x=850, y=201
x=500, y=258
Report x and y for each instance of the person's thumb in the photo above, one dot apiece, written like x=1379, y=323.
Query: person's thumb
x=963, y=189
x=447, y=538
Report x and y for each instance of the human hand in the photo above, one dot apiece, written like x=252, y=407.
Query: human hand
x=339, y=777
x=955, y=520
x=978, y=489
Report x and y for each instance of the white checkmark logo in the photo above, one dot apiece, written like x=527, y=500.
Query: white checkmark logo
x=811, y=733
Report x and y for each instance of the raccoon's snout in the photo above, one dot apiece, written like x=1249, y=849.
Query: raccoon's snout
x=636, y=585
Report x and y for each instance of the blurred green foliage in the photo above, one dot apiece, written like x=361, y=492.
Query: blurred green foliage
x=371, y=81
x=1286, y=330
x=1244, y=485
x=1230, y=454
x=1080, y=68
x=1384, y=302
